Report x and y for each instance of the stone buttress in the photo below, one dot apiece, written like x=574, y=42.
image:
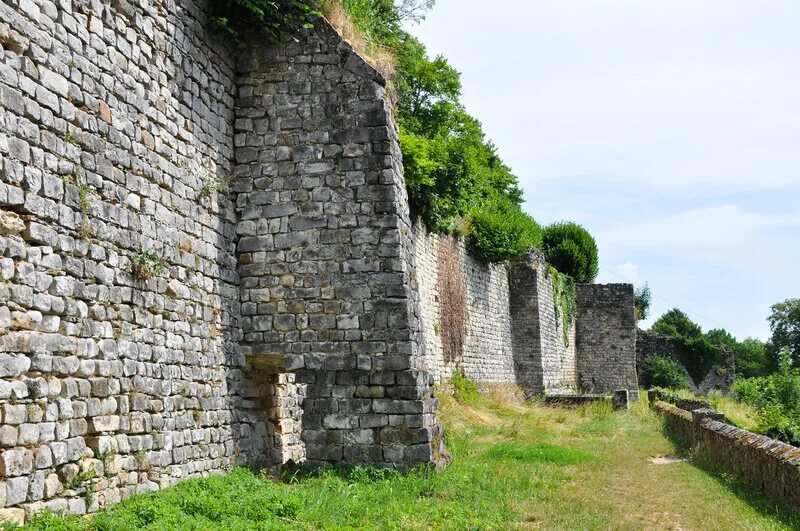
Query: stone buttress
x=325, y=251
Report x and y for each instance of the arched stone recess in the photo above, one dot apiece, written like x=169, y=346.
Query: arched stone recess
x=326, y=256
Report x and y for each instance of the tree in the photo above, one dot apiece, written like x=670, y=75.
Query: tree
x=784, y=321
x=720, y=336
x=751, y=358
x=641, y=298
x=571, y=250
x=675, y=323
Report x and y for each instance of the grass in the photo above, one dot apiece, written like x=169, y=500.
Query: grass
x=515, y=465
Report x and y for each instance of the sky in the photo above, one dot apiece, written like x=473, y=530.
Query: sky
x=669, y=129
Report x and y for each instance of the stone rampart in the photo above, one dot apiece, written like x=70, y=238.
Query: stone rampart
x=115, y=121
x=325, y=250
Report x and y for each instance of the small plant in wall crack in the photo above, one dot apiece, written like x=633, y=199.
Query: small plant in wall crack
x=84, y=231
x=146, y=265
x=215, y=184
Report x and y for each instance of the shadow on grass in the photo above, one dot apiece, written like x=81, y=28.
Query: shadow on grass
x=745, y=491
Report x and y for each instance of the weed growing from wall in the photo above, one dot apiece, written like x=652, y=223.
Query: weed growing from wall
x=84, y=231
x=452, y=300
x=146, y=264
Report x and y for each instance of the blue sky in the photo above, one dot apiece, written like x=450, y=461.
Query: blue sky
x=671, y=130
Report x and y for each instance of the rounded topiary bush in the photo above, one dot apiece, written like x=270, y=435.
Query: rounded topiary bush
x=499, y=230
x=571, y=250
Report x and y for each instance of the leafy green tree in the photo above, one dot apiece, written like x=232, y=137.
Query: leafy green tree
x=675, y=323
x=784, y=321
x=751, y=358
x=660, y=371
x=642, y=299
x=696, y=350
x=571, y=250
x=720, y=336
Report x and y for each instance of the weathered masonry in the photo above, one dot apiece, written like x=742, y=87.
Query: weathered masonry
x=157, y=325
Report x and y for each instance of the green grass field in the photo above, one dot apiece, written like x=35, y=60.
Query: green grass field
x=515, y=465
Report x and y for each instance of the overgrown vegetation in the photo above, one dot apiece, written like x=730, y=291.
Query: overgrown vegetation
x=696, y=350
x=642, y=299
x=515, y=465
x=572, y=250
x=452, y=300
x=777, y=399
x=663, y=372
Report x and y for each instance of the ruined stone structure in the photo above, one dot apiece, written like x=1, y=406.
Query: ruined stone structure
x=719, y=378
x=157, y=325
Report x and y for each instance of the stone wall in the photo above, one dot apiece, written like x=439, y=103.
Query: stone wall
x=486, y=351
x=605, y=338
x=325, y=251
x=544, y=354
x=153, y=326
x=766, y=463
x=207, y=262
x=114, y=119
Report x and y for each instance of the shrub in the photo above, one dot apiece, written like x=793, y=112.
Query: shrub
x=572, y=250
x=660, y=371
x=777, y=398
x=501, y=231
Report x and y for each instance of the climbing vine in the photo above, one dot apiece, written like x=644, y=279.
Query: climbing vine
x=564, y=299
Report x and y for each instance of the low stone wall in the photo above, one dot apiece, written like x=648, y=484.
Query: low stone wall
x=771, y=465
x=481, y=290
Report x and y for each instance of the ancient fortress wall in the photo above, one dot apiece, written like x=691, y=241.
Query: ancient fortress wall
x=208, y=261
x=544, y=351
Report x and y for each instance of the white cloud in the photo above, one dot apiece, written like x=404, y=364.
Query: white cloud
x=706, y=228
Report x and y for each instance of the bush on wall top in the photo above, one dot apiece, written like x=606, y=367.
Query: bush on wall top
x=571, y=250
x=500, y=230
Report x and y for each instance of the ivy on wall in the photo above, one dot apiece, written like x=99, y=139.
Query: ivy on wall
x=565, y=299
